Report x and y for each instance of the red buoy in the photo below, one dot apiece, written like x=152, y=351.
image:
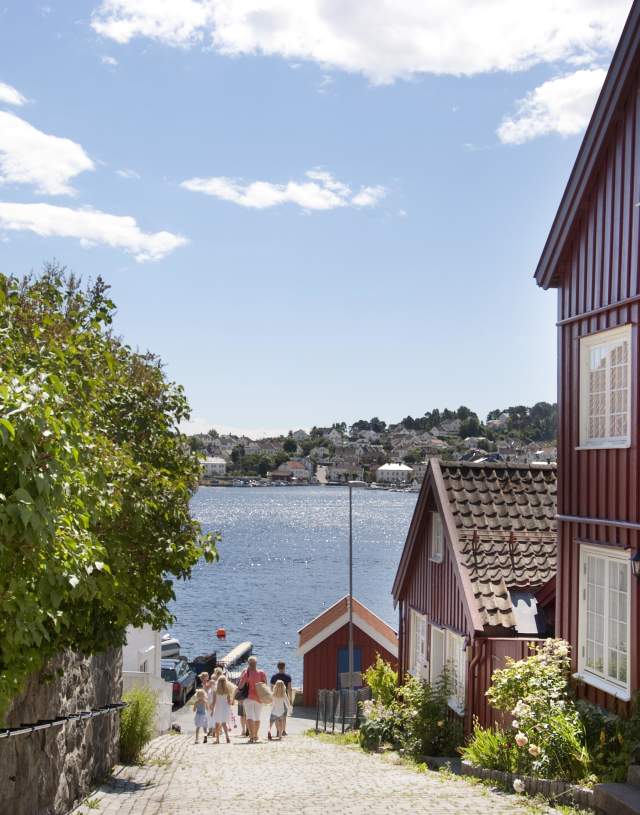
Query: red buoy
x=221, y=634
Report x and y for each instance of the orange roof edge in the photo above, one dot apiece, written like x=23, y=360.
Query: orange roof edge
x=334, y=612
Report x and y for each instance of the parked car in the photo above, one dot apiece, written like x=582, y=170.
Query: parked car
x=182, y=678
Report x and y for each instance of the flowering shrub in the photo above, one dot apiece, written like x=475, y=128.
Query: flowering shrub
x=549, y=736
x=492, y=748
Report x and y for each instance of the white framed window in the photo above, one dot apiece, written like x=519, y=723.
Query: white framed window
x=438, y=645
x=437, y=537
x=418, y=665
x=603, y=655
x=448, y=648
x=605, y=388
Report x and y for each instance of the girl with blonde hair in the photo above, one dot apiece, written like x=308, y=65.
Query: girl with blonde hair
x=280, y=708
x=200, y=709
x=222, y=708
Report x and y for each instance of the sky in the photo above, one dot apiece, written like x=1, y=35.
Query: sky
x=311, y=210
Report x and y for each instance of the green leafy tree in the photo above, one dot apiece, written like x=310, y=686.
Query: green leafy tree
x=95, y=479
x=290, y=445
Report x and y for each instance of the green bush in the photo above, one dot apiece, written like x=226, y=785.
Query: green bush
x=136, y=723
x=383, y=681
x=491, y=748
x=426, y=727
x=613, y=743
x=549, y=736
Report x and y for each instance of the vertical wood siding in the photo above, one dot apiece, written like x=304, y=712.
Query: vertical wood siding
x=432, y=588
x=320, y=669
x=490, y=655
x=599, y=269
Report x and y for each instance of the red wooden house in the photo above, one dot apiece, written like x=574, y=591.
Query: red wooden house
x=480, y=551
x=591, y=258
x=324, y=645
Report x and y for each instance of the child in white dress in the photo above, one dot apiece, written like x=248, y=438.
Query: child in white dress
x=222, y=708
x=281, y=706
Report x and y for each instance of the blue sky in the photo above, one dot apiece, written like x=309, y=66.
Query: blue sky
x=412, y=160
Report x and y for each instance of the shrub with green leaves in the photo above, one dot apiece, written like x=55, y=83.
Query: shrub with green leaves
x=613, y=743
x=427, y=727
x=491, y=748
x=383, y=681
x=95, y=478
x=136, y=723
x=548, y=733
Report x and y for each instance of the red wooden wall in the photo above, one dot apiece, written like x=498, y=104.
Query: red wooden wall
x=432, y=588
x=598, y=270
x=489, y=655
x=320, y=669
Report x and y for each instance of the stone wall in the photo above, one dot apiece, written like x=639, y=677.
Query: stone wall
x=47, y=772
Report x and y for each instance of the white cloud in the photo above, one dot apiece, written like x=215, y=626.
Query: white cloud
x=90, y=227
x=126, y=173
x=562, y=105
x=10, y=96
x=381, y=39
x=29, y=156
x=107, y=60
x=320, y=192
x=326, y=81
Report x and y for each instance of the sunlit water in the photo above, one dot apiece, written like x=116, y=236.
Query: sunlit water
x=283, y=559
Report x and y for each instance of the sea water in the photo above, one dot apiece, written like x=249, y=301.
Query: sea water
x=283, y=560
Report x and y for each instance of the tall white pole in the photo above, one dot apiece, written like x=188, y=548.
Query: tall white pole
x=350, y=587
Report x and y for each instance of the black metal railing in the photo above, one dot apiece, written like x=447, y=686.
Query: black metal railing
x=341, y=707
x=46, y=724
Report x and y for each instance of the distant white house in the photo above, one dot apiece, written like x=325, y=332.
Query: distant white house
x=141, y=657
x=300, y=435
x=394, y=474
x=212, y=467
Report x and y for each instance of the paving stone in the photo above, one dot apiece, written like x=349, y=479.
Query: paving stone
x=297, y=776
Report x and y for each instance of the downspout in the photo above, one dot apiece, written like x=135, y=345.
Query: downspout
x=401, y=642
x=471, y=680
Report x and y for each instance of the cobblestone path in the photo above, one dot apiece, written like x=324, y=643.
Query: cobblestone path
x=299, y=775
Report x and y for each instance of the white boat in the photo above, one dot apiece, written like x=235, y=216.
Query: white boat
x=169, y=647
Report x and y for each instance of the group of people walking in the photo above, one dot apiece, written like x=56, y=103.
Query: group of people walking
x=214, y=703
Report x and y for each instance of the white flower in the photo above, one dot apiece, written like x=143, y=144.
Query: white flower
x=521, y=739
x=534, y=750
x=518, y=786
x=515, y=724
x=99, y=565
x=73, y=580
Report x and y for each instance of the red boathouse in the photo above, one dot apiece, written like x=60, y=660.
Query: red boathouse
x=591, y=258
x=324, y=645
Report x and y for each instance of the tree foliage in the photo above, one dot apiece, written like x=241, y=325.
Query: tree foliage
x=95, y=479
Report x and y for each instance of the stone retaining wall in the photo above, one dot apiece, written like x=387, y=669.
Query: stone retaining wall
x=47, y=772
x=556, y=791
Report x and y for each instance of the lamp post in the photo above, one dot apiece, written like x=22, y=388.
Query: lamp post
x=351, y=485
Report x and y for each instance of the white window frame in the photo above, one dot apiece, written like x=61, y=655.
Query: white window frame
x=436, y=548
x=586, y=674
x=452, y=653
x=418, y=664
x=457, y=661
x=587, y=344
x=437, y=651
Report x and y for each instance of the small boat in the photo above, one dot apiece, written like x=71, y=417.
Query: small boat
x=169, y=647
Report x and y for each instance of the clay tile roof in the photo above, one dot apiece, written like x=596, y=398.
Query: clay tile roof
x=505, y=518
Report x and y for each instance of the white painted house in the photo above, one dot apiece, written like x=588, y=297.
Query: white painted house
x=141, y=657
x=394, y=474
x=212, y=467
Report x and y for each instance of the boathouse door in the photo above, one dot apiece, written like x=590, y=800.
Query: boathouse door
x=343, y=666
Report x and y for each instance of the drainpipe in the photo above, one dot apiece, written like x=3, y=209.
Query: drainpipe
x=401, y=642
x=471, y=679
